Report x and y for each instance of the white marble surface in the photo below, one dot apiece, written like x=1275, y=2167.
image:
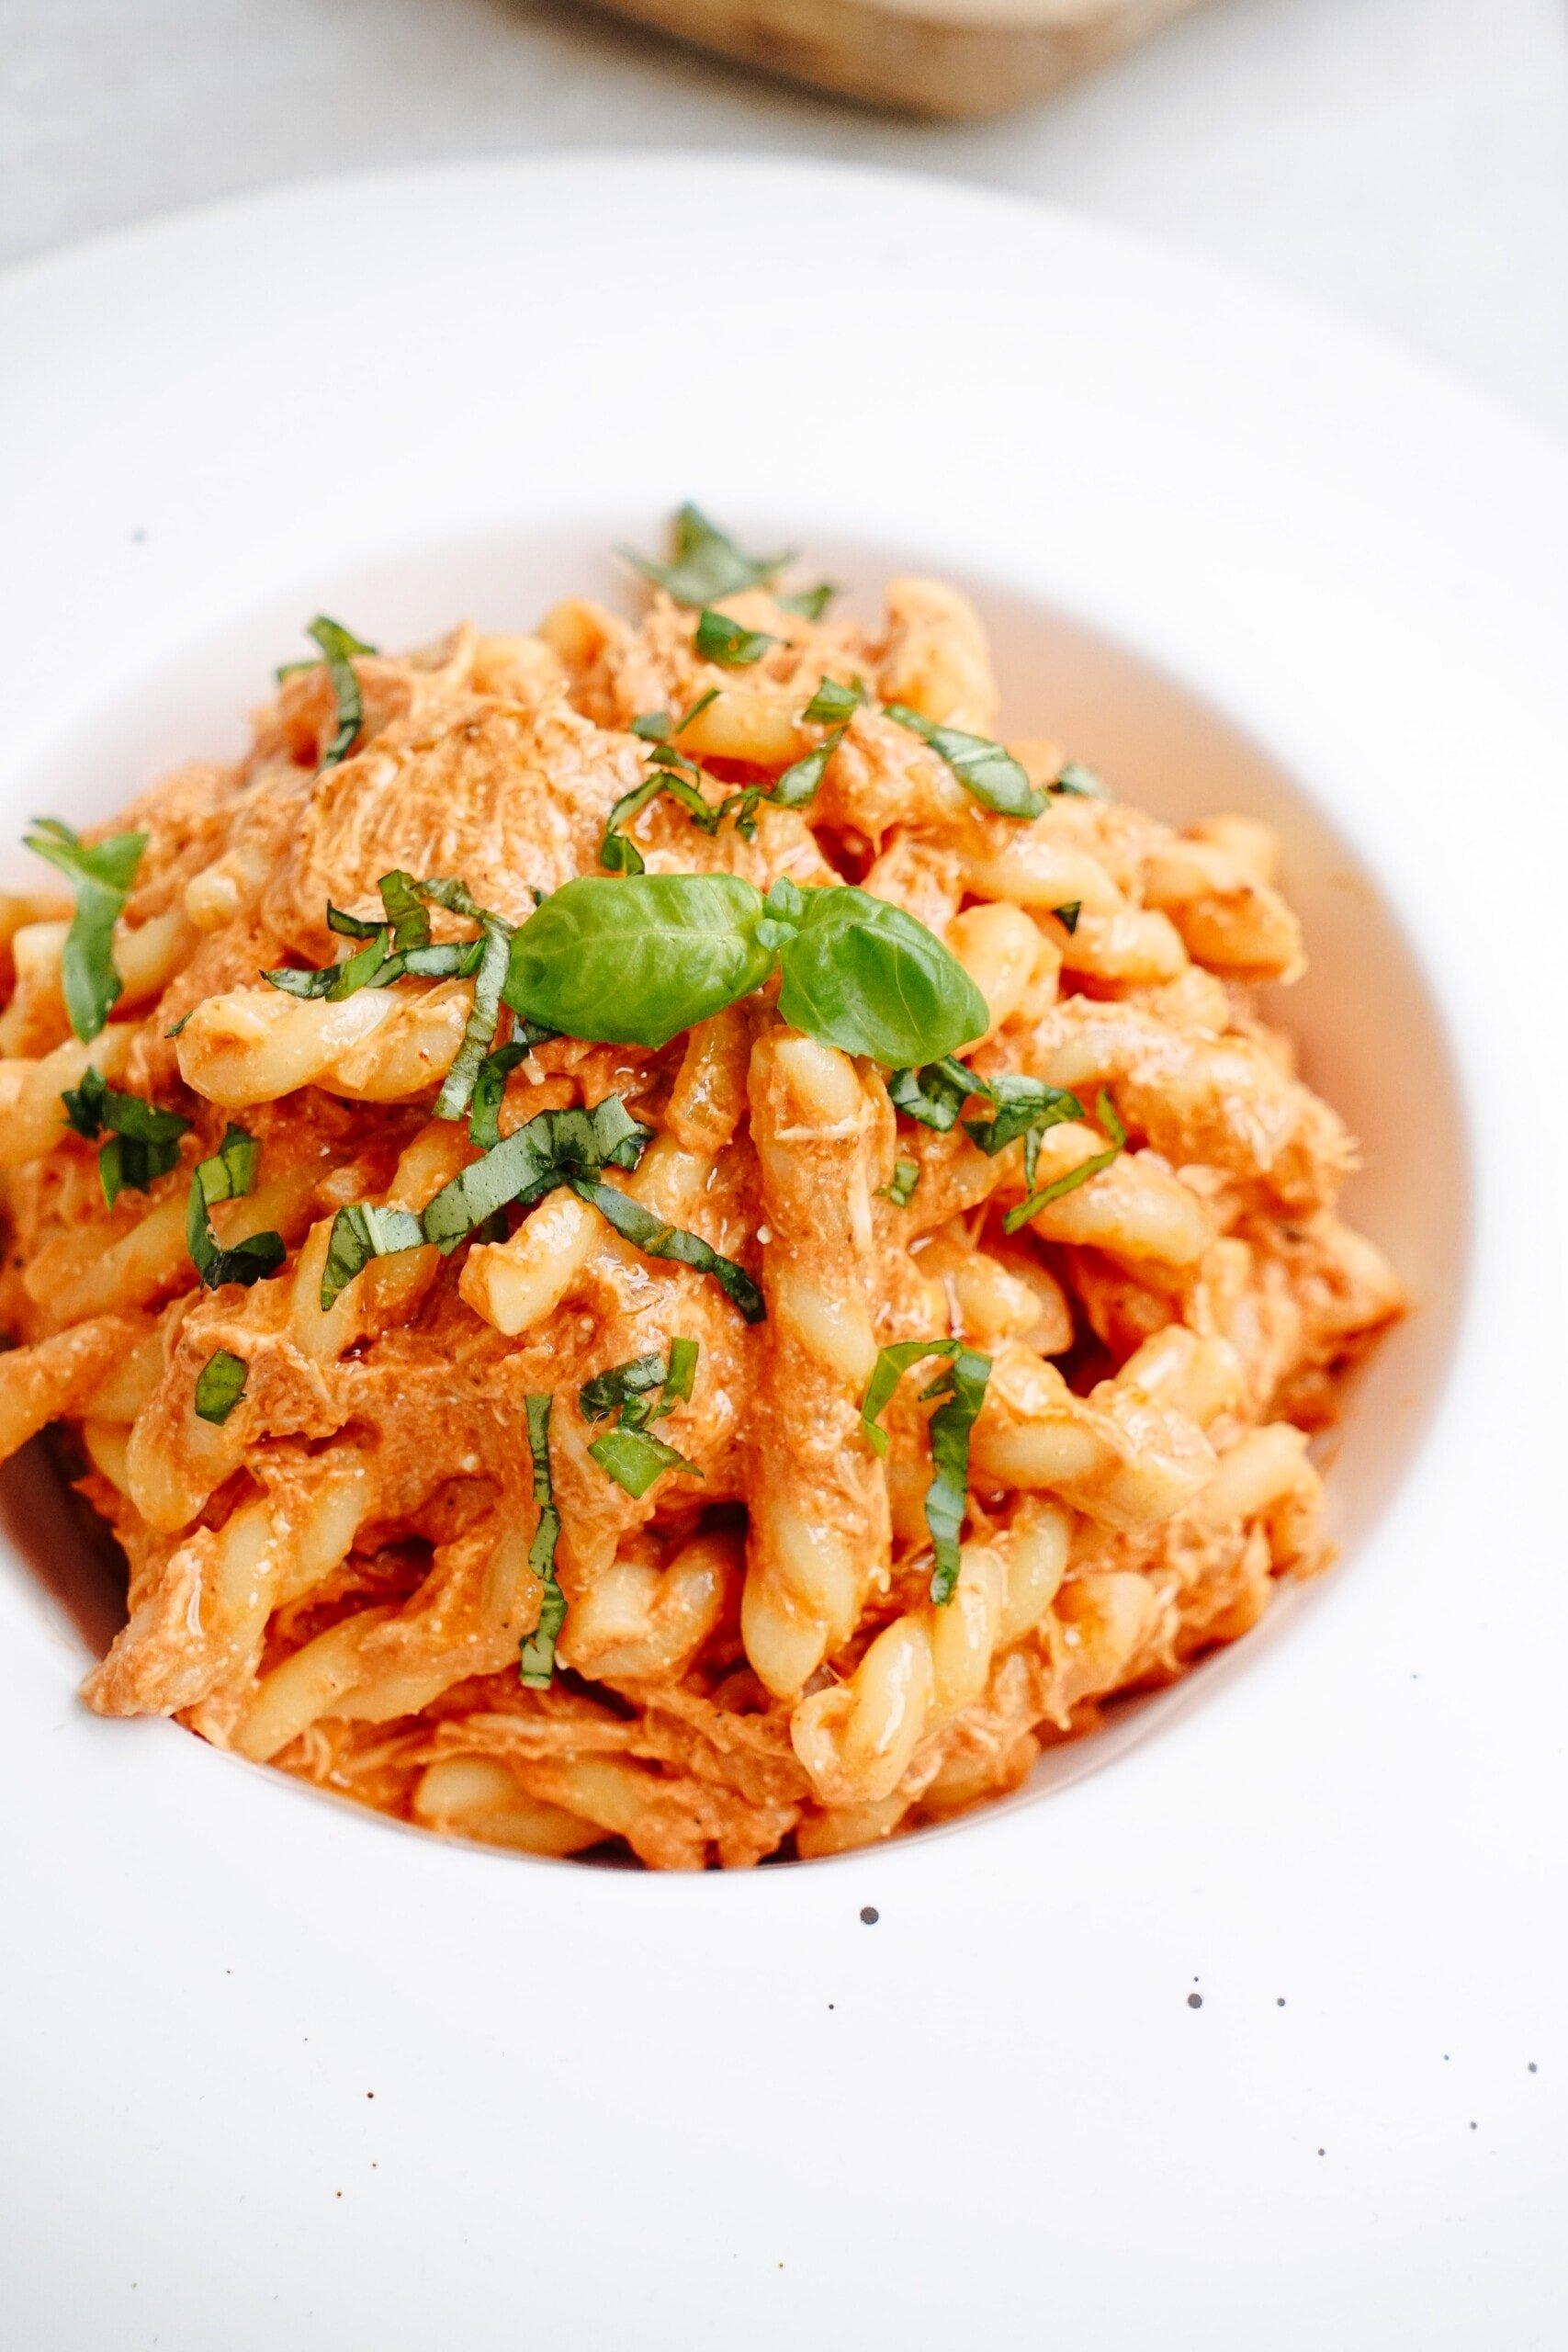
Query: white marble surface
x=1406, y=159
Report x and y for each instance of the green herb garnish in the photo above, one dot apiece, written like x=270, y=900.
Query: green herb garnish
x=705, y=564
x=228, y=1175
x=1067, y=916
x=988, y=772
x=1081, y=782
x=144, y=1142
x=102, y=875
x=340, y=648
x=935, y=1093
x=536, y=1653
x=834, y=705
x=656, y=1238
x=638, y=1394
x=729, y=643
x=1105, y=1112
x=360, y=1233
x=900, y=1190
x=809, y=602
x=962, y=1389
x=639, y=960
x=220, y=1384
x=1023, y=1106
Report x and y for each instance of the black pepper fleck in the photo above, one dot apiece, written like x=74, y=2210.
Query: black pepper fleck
x=1322, y=2152
x=1279, y=2000
x=870, y=1914
x=1194, y=2000
x=1534, y=2068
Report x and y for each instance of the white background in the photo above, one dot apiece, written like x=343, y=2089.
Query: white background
x=1407, y=159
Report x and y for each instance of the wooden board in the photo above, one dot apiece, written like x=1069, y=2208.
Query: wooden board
x=933, y=57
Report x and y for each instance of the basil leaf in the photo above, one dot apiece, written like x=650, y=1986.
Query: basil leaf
x=220, y=1384
x=102, y=875
x=553, y=1148
x=404, y=909
x=373, y=966
x=1081, y=781
x=705, y=562
x=988, y=772
x=810, y=603
x=1105, y=1112
x=144, y=1142
x=901, y=1190
x=634, y=1460
x=1026, y=1107
x=652, y=726
x=621, y=1387
x=536, y=1653
x=360, y=1233
x=656, y=1239
x=682, y=1374
x=865, y=976
x=643, y=1390
x=634, y=962
x=797, y=786
x=490, y=1086
x=963, y=1390
x=1067, y=916
x=892, y=1363
x=228, y=1175
x=339, y=646
x=935, y=1094
x=729, y=643
x=480, y=1029
x=835, y=705
x=349, y=926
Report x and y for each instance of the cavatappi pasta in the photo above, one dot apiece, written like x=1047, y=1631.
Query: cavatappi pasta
x=557, y=1491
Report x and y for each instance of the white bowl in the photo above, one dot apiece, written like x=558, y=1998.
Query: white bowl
x=1234, y=555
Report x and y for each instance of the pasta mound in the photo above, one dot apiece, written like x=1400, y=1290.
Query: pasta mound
x=334, y=1570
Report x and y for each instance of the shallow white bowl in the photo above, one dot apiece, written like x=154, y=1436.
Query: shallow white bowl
x=1234, y=555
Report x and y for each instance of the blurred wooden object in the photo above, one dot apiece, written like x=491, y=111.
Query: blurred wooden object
x=932, y=57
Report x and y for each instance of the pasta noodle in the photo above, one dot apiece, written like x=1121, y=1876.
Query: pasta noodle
x=752, y=1442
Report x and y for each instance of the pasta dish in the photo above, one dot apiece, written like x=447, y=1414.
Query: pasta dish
x=644, y=1234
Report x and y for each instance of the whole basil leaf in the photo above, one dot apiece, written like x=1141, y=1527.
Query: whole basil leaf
x=868, y=978
x=102, y=875
x=635, y=961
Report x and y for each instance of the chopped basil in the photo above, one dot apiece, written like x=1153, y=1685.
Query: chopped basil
x=935, y=1094
x=901, y=1190
x=339, y=649
x=1024, y=1107
x=536, y=1653
x=656, y=1239
x=1080, y=781
x=179, y=1024
x=988, y=772
x=627, y=1453
x=705, y=563
x=360, y=1233
x=404, y=909
x=228, y=1175
x=1067, y=916
x=490, y=1086
x=834, y=705
x=1105, y=1112
x=102, y=874
x=552, y=1148
x=797, y=786
x=963, y=1391
x=962, y=1388
x=809, y=602
x=480, y=1029
x=220, y=1384
x=144, y=1142
x=729, y=643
